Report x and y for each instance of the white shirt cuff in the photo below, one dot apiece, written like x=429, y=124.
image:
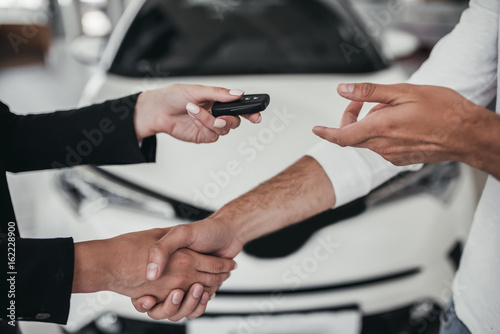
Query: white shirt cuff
x=354, y=172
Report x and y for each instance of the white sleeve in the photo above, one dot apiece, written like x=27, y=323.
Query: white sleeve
x=465, y=60
x=354, y=172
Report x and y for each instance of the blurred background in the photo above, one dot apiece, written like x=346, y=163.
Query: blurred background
x=50, y=49
x=69, y=38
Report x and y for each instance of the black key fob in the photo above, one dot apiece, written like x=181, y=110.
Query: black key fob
x=247, y=104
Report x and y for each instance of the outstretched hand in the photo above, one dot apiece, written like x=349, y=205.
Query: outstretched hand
x=411, y=124
x=182, y=111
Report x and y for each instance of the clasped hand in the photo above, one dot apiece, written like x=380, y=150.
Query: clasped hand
x=187, y=281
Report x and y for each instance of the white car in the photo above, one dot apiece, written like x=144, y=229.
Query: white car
x=381, y=264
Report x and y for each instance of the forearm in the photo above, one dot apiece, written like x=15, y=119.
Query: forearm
x=482, y=140
x=89, y=274
x=99, y=134
x=297, y=193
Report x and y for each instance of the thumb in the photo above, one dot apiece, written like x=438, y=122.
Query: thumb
x=216, y=94
x=144, y=304
x=178, y=237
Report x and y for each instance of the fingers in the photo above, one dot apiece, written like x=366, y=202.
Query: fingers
x=254, y=118
x=144, y=304
x=220, y=126
x=355, y=134
x=201, y=308
x=350, y=135
x=351, y=113
x=378, y=107
x=208, y=93
x=232, y=122
x=212, y=264
x=169, y=307
x=178, y=237
x=369, y=92
x=212, y=280
x=175, y=309
x=193, y=299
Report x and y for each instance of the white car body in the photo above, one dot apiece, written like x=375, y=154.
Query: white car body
x=408, y=238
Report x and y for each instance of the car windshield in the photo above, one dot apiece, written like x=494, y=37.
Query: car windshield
x=216, y=37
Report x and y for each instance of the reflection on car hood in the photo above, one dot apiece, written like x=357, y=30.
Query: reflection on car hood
x=210, y=175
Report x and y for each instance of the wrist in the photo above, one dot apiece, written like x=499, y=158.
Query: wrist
x=90, y=268
x=144, y=117
x=244, y=223
x=230, y=222
x=482, y=144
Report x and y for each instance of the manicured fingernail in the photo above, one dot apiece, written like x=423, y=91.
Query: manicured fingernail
x=220, y=123
x=205, y=298
x=177, y=298
x=346, y=88
x=197, y=292
x=259, y=120
x=153, y=270
x=147, y=305
x=192, y=108
x=212, y=296
x=236, y=92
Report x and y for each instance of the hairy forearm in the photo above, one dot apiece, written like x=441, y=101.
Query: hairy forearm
x=297, y=193
x=483, y=141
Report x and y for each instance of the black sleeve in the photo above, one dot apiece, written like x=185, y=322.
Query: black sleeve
x=38, y=277
x=99, y=134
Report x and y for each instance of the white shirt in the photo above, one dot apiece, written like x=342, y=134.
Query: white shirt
x=467, y=61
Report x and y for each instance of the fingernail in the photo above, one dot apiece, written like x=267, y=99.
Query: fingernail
x=235, y=266
x=236, y=92
x=152, y=270
x=147, y=305
x=197, y=292
x=192, y=108
x=259, y=120
x=205, y=298
x=212, y=296
x=220, y=123
x=346, y=88
x=177, y=298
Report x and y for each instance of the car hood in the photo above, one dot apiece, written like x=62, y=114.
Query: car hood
x=210, y=175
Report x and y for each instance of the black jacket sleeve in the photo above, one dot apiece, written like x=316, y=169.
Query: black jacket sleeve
x=98, y=134
x=39, y=279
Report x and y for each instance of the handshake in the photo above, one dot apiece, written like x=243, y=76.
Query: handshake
x=166, y=271
x=170, y=273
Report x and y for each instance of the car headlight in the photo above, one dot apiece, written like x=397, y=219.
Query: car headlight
x=89, y=190
x=434, y=179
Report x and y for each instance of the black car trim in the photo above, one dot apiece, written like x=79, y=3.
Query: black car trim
x=333, y=287
x=347, y=307
x=455, y=254
x=290, y=239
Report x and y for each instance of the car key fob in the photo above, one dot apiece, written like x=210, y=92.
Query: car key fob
x=247, y=104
